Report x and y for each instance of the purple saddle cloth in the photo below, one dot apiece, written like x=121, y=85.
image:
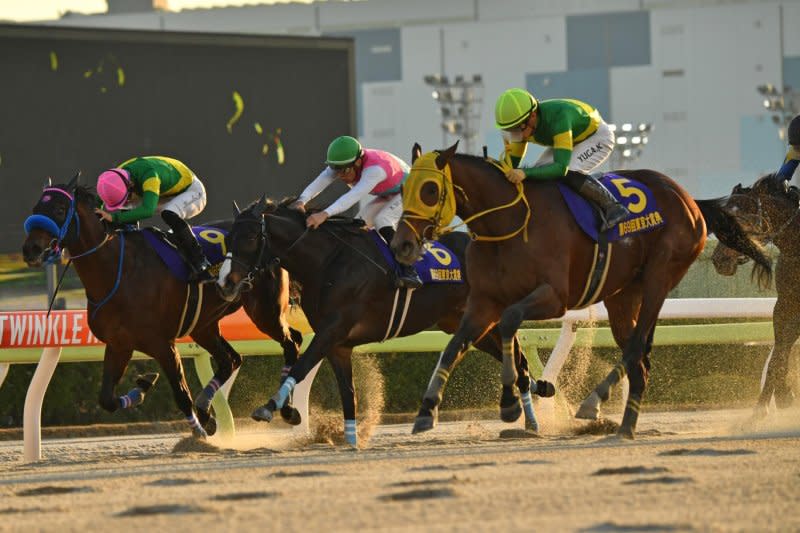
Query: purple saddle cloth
x=645, y=215
x=437, y=265
x=211, y=239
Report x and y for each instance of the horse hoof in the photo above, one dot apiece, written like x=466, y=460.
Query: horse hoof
x=262, y=414
x=625, y=433
x=511, y=413
x=146, y=381
x=199, y=433
x=210, y=426
x=544, y=389
x=590, y=408
x=423, y=424
x=290, y=415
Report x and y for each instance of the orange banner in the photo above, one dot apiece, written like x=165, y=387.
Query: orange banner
x=34, y=329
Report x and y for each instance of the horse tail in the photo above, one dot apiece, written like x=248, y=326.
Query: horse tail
x=730, y=233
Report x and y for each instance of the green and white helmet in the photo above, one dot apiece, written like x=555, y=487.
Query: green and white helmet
x=513, y=107
x=343, y=151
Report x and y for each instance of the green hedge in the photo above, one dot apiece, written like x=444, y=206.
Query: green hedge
x=700, y=376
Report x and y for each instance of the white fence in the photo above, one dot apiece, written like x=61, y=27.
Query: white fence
x=76, y=342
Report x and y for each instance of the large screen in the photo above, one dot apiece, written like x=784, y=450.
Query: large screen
x=248, y=114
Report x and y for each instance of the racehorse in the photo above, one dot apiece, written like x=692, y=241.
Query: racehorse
x=349, y=298
x=134, y=303
x=530, y=261
x=769, y=213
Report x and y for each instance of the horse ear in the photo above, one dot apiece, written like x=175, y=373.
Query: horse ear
x=260, y=206
x=236, y=209
x=74, y=181
x=48, y=182
x=444, y=157
x=416, y=151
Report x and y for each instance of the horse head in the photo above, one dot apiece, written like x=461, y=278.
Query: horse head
x=56, y=221
x=764, y=209
x=429, y=203
x=247, y=243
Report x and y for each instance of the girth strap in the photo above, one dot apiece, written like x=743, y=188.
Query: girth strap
x=597, y=272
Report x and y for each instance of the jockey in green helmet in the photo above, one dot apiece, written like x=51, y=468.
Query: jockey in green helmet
x=371, y=174
x=577, y=140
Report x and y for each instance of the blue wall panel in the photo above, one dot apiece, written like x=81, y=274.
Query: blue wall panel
x=610, y=40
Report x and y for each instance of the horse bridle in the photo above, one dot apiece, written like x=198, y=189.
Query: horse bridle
x=252, y=270
x=763, y=224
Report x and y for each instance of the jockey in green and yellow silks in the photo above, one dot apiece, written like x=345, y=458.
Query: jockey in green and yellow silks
x=792, y=159
x=577, y=140
x=157, y=183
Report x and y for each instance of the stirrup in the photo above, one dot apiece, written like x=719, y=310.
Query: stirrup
x=610, y=221
x=407, y=282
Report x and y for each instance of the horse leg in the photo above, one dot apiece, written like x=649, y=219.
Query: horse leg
x=477, y=320
x=635, y=355
x=115, y=361
x=786, y=326
x=291, y=344
x=324, y=340
x=623, y=309
x=170, y=361
x=543, y=302
x=342, y=363
x=227, y=361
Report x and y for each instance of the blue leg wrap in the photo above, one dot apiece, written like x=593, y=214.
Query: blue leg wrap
x=134, y=397
x=283, y=393
x=204, y=399
x=350, y=434
x=530, y=416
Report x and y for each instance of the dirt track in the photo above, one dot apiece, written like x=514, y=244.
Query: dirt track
x=690, y=471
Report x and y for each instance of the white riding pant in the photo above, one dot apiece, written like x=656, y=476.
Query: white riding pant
x=383, y=211
x=588, y=154
x=187, y=204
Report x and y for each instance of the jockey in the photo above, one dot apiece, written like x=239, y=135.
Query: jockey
x=160, y=184
x=366, y=172
x=793, y=155
x=578, y=142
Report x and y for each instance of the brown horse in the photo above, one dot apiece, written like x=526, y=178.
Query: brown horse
x=530, y=261
x=769, y=213
x=349, y=298
x=134, y=303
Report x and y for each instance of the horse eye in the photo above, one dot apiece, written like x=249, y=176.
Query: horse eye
x=429, y=193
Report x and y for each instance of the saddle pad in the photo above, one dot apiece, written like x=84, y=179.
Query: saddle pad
x=211, y=239
x=634, y=195
x=437, y=265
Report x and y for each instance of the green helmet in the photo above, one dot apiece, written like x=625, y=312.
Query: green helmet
x=513, y=107
x=343, y=151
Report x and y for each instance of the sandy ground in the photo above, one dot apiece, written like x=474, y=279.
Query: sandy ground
x=686, y=471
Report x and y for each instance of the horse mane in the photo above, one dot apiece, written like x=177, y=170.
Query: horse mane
x=478, y=160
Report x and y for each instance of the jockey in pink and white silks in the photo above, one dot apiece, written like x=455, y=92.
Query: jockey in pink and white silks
x=368, y=173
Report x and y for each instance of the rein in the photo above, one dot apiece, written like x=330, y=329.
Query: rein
x=437, y=226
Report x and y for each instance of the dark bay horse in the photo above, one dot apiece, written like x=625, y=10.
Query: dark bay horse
x=531, y=261
x=134, y=303
x=349, y=299
x=769, y=213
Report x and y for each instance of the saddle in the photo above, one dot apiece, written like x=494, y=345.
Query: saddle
x=637, y=197
x=211, y=239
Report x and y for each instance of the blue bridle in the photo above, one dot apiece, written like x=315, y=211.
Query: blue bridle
x=53, y=254
x=44, y=222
